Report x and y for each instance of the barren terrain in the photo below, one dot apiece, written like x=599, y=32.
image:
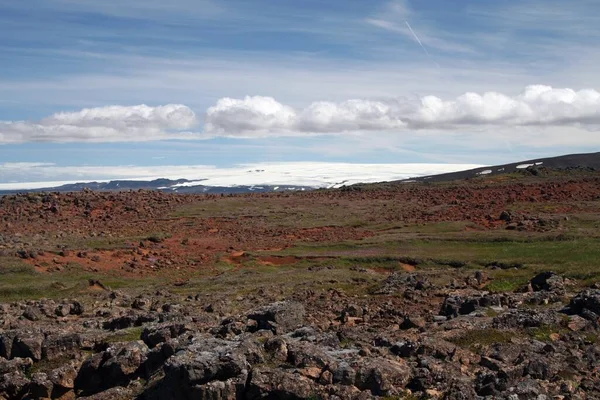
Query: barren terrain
x=485, y=288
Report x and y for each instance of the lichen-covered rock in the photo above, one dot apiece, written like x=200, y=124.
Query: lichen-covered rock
x=7, y=339
x=40, y=386
x=16, y=364
x=58, y=345
x=28, y=344
x=154, y=334
x=587, y=300
x=116, y=393
x=207, y=368
x=64, y=376
x=280, y=317
x=548, y=281
x=278, y=384
x=33, y=313
x=14, y=385
x=114, y=367
x=382, y=377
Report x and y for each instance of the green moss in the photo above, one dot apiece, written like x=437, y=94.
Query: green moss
x=125, y=335
x=158, y=237
x=592, y=338
x=502, y=285
x=544, y=333
x=480, y=338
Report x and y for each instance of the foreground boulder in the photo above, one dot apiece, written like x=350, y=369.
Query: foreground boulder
x=28, y=344
x=114, y=367
x=208, y=368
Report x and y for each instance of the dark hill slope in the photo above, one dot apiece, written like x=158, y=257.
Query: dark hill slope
x=588, y=161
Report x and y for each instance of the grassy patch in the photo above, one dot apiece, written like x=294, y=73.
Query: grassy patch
x=297, y=211
x=48, y=365
x=544, y=333
x=508, y=280
x=592, y=338
x=20, y=281
x=125, y=335
x=574, y=257
x=480, y=338
x=10, y=266
x=158, y=237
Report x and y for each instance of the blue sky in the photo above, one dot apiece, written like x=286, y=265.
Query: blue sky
x=232, y=81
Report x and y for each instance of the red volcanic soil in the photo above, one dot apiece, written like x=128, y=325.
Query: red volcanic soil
x=140, y=232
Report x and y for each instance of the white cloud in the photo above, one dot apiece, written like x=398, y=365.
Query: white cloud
x=351, y=115
x=255, y=113
x=104, y=124
x=264, y=116
x=19, y=166
x=257, y=116
x=537, y=105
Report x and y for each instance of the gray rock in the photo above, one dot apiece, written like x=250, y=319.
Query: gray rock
x=116, y=393
x=62, y=310
x=77, y=308
x=277, y=384
x=33, y=313
x=280, y=317
x=7, y=339
x=28, y=344
x=114, y=367
x=344, y=374
x=548, y=281
x=40, y=386
x=142, y=303
x=277, y=347
x=586, y=300
x=193, y=371
x=63, y=376
x=306, y=354
x=20, y=364
x=124, y=361
x=56, y=346
x=155, y=334
x=381, y=376
x=14, y=385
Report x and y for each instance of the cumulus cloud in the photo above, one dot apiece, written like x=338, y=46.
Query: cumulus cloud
x=537, y=105
x=104, y=124
x=257, y=116
x=249, y=114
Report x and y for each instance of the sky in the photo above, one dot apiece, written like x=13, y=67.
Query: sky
x=90, y=89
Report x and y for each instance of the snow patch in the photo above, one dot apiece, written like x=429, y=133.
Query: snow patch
x=308, y=174
x=523, y=166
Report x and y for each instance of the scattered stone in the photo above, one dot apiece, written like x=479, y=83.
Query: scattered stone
x=33, y=313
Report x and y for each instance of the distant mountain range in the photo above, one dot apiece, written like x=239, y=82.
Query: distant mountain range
x=589, y=161
x=167, y=185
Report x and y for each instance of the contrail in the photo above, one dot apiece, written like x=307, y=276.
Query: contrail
x=421, y=44
x=417, y=38
x=506, y=139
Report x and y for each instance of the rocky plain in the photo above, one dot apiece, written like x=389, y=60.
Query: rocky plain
x=480, y=289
